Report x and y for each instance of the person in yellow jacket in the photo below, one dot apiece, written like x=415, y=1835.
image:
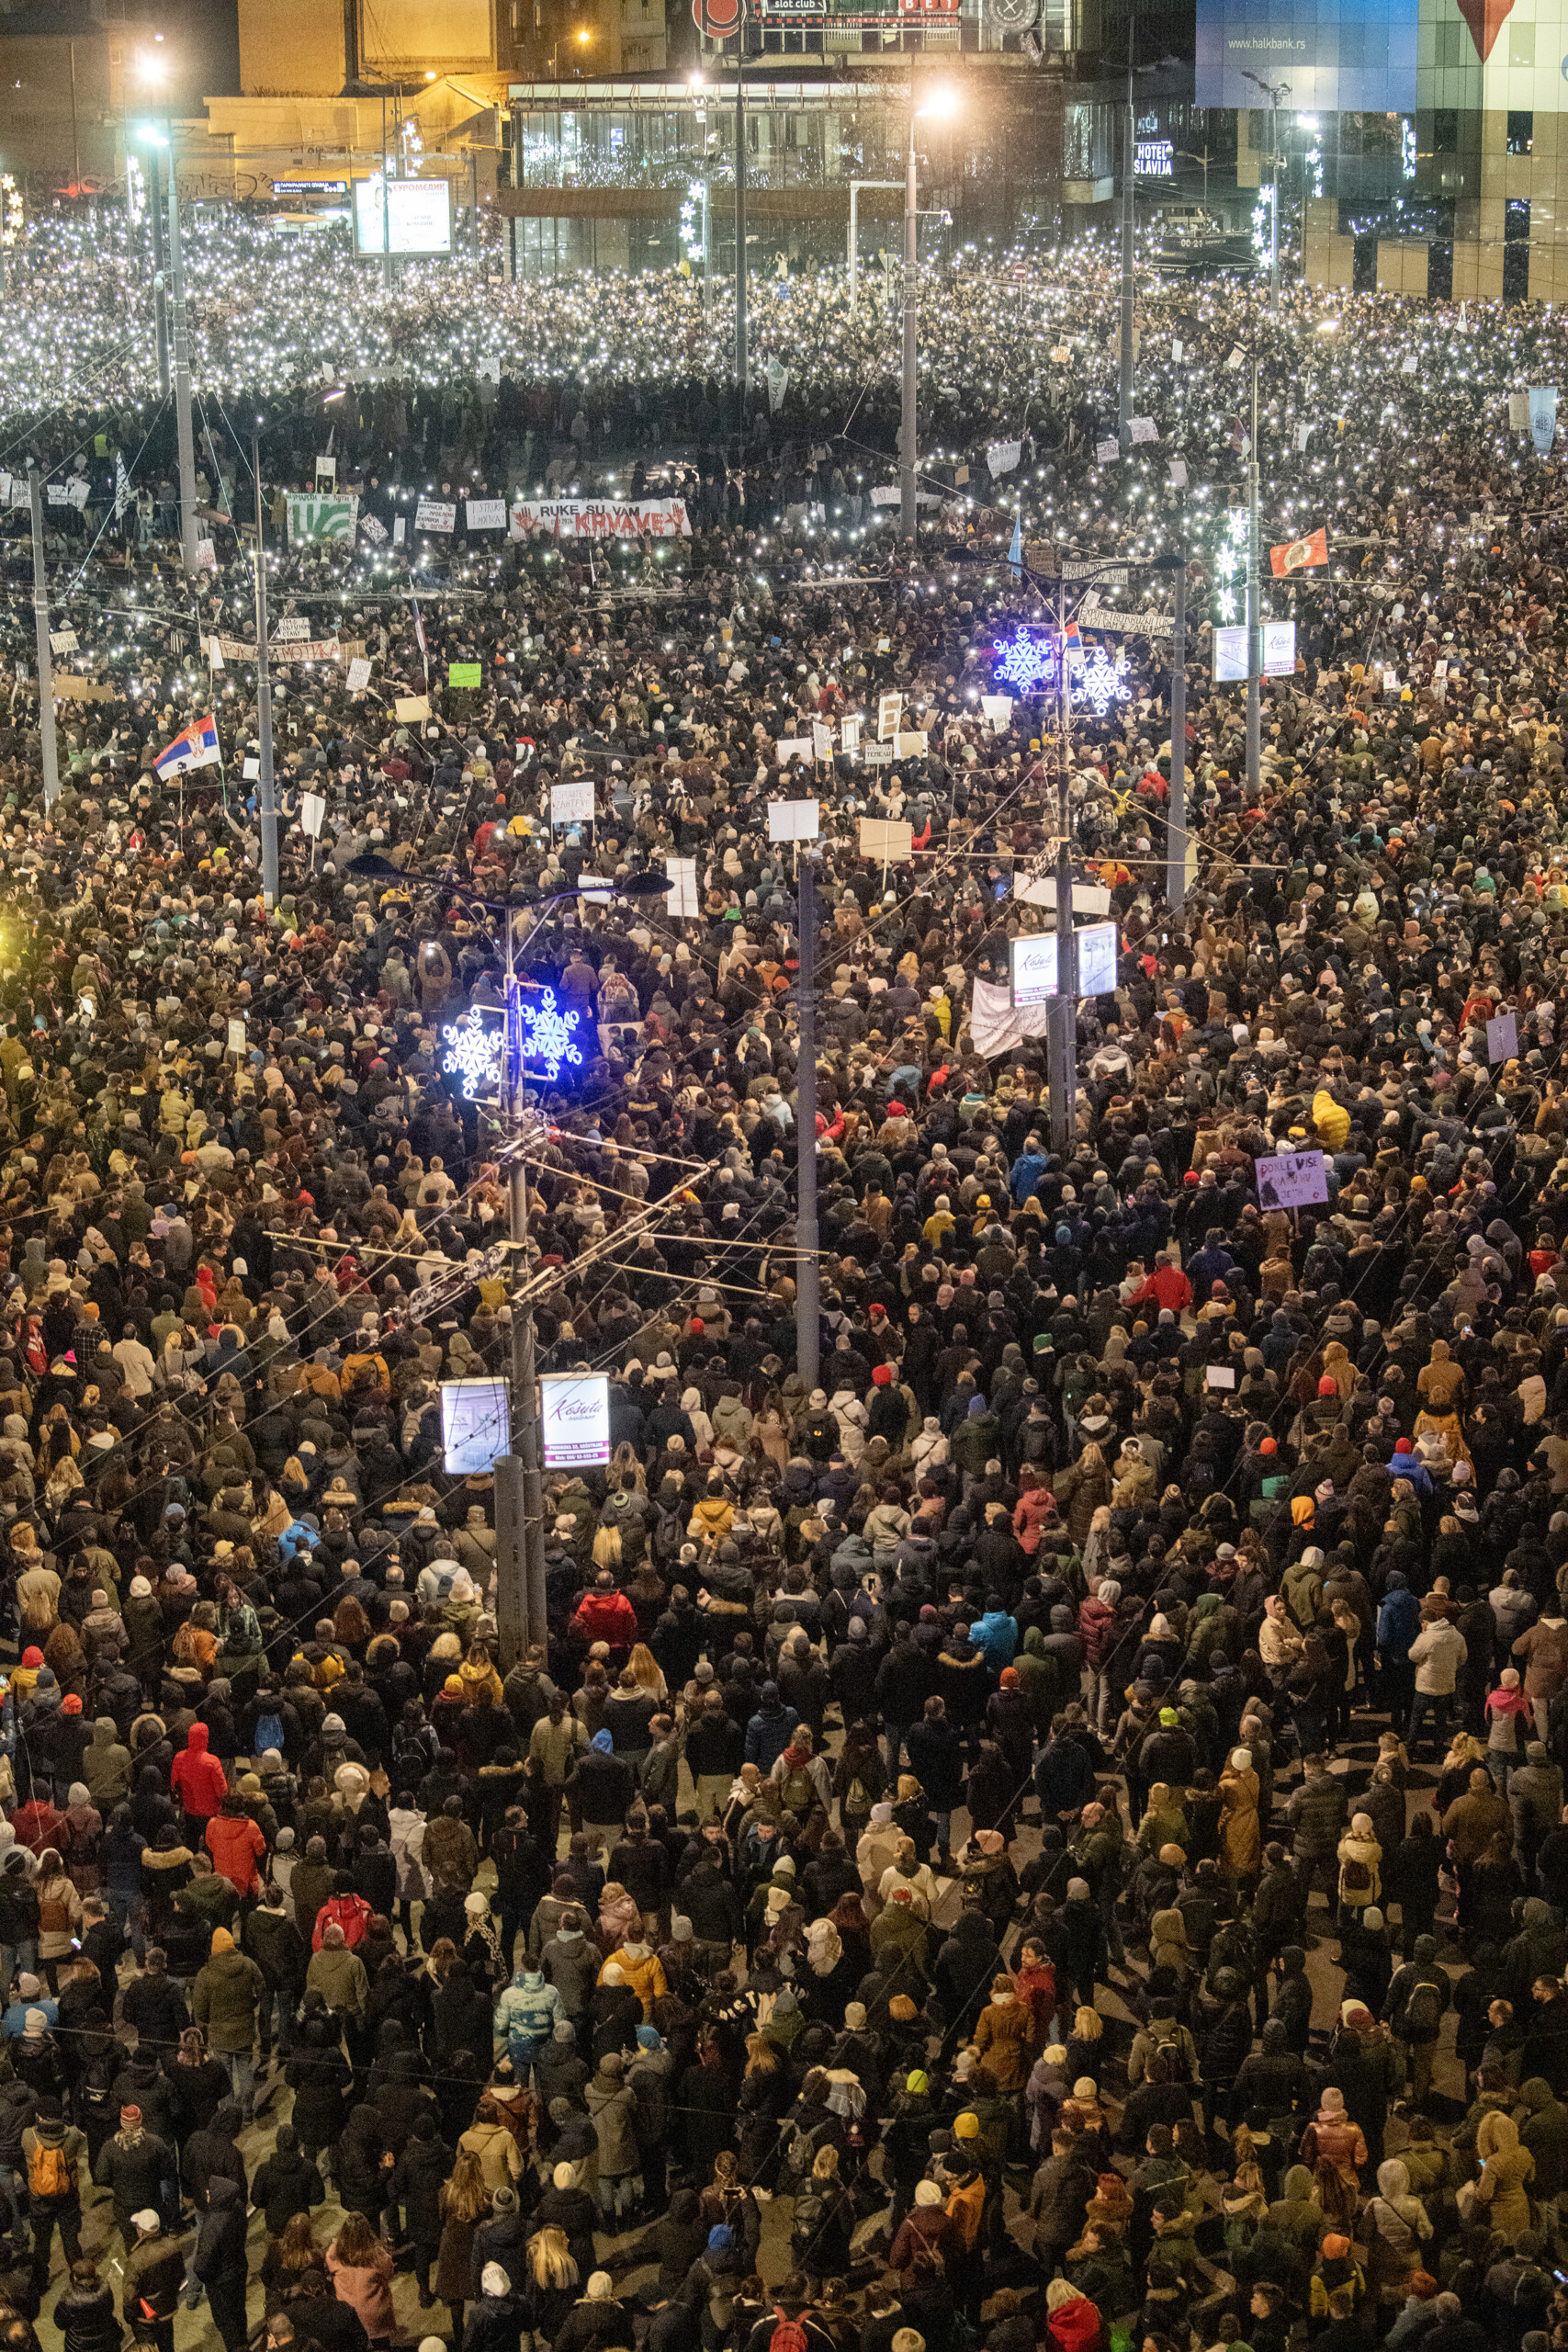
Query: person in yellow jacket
x=1331, y=1119
x=713, y=1517
x=641, y=1967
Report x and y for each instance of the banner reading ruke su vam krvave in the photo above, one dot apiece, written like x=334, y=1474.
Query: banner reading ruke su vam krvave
x=600, y=518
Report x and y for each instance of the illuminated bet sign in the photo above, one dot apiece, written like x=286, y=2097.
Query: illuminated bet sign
x=1033, y=967
x=476, y=1425
x=576, y=1419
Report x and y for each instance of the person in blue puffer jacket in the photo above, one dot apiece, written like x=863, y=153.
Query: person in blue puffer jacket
x=526, y=2016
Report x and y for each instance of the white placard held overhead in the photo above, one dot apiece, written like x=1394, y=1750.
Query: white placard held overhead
x=1145, y=429
x=358, y=675
x=436, y=514
x=793, y=747
x=575, y=1418
x=998, y=710
x=821, y=741
x=1106, y=452
x=238, y=1041
x=312, y=814
x=681, y=898
x=291, y=628
x=888, y=709
x=572, y=803
x=476, y=1425
x=794, y=821
x=849, y=735
x=63, y=641
x=486, y=514
x=888, y=840
x=1294, y=1180
x=1002, y=456
x=250, y=771
x=1220, y=1375
x=1502, y=1038
x=326, y=470
x=1033, y=967
x=1098, y=947
x=911, y=746
x=1176, y=470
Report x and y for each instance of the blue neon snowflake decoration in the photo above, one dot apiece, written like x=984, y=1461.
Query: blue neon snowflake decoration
x=549, y=1033
x=1026, y=665
x=1101, y=679
x=473, y=1055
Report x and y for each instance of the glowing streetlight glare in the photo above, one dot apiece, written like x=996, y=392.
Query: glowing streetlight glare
x=936, y=104
x=150, y=68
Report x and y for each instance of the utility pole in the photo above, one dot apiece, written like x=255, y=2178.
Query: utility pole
x=45, y=662
x=1062, y=1017
x=182, y=371
x=524, y=1379
x=1129, y=225
x=1176, y=816
x=266, y=784
x=907, y=508
x=708, y=245
x=1254, y=610
x=807, y=1295
x=740, y=357
x=160, y=270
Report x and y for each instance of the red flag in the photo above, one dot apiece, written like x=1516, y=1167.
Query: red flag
x=1299, y=555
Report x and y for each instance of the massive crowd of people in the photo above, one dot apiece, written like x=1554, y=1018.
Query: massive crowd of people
x=1049, y=1833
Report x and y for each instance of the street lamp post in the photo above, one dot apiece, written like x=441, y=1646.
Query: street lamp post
x=152, y=70
x=267, y=781
x=939, y=102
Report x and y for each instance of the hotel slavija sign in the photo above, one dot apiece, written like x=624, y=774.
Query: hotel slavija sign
x=576, y=1417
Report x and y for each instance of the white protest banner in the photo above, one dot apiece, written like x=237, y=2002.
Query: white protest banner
x=1235, y=355
x=326, y=470
x=821, y=741
x=374, y=529
x=849, y=734
x=63, y=641
x=1304, y=435
x=486, y=514
x=911, y=746
x=399, y=531
x=1518, y=413
x=250, y=771
x=1220, y=1375
x=572, y=803
x=1106, y=452
x=1093, y=614
x=1292, y=1181
x=888, y=709
x=436, y=514
x=1040, y=890
x=597, y=889
x=1002, y=456
x=1176, y=469
x=57, y=493
x=999, y=1027
x=312, y=814
x=998, y=710
x=1502, y=1038
x=358, y=675
x=407, y=708
x=1145, y=429
x=318, y=517
x=778, y=384
x=206, y=555
x=1061, y=353
x=794, y=821
x=1176, y=349
x=885, y=494
x=878, y=755
x=888, y=840
x=681, y=898
x=313, y=649
x=793, y=747
x=291, y=628
x=1408, y=365
x=600, y=518
x=237, y=1039
x=234, y=649
x=215, y=654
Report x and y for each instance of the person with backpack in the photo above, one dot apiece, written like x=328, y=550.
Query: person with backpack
x=53, y=2152
x=823, y=2221
x=1418, y=2000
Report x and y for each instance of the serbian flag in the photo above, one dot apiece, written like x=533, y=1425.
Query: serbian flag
x=1300, y=555
x=195, y=747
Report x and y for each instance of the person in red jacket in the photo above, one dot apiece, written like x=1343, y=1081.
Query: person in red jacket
x=604, y=1615
x=200, y=1783
x=1168, y=1283
x=342, y=1910
x=236, y=1845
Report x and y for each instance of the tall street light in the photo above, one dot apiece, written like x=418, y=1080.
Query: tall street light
x=152, y=70
x=937, y=104
x=267, y=793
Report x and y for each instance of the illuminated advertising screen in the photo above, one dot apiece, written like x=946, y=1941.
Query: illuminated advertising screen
x=418, y=217
x=1033, y=959
x=575, y=1413
x=1335, y=55
x=476, y=1425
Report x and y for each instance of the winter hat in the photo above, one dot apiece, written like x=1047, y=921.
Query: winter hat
x=927, y=2193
